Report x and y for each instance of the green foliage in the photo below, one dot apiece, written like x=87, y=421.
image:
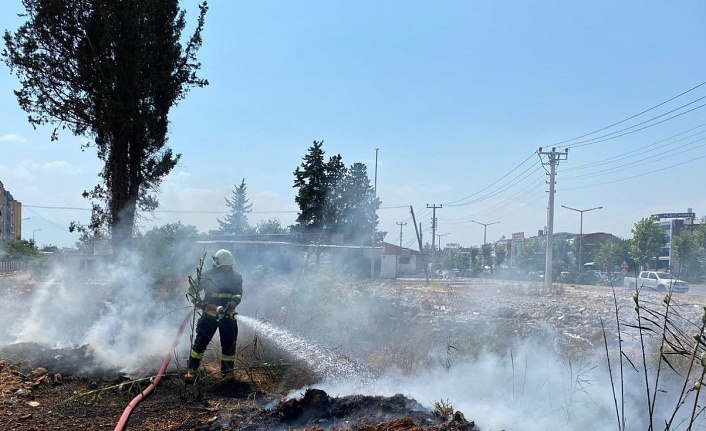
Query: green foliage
x=311, y=178
x=19, y=249
x=110, y=71
x=613, y=253
x=335, y=199
x=689, y=255
x=532, y=257
x=646, y=241
x=163, y=249
x=270, y=227
x=236, y=221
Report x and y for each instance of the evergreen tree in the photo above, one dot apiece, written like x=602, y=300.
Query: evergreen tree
x=236, y=221
x=110, y=71
x=358, y=206
x=335, y=199
x=318, y=196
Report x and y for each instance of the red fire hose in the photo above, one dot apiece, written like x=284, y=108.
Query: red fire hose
x=142, y=395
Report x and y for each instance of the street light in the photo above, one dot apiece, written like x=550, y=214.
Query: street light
x=485, y=227
x=36, y=230
x=372, y=237
x=581, y=231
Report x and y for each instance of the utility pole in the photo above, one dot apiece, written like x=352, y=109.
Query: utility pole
x=433, y=235
x=400, y=224
x=419, y=241
x=374, y=213
x=485, y=227
x=397, y=259
x=553, y=158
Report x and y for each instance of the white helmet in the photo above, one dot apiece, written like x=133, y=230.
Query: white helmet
x=223, y=257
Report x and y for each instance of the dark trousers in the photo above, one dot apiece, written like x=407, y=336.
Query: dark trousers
x=205, y=330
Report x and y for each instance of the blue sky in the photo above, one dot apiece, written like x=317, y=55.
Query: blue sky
x=457, y=96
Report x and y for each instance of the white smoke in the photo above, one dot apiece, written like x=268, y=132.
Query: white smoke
x=112, y=310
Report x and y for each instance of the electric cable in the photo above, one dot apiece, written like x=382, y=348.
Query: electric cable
x=636, y=176
x=634, y=116
x=639, y=150
x=490, y=185
x=635, y=164
x=593, y=142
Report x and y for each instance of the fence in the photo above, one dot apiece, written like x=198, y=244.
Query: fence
x=7, y=266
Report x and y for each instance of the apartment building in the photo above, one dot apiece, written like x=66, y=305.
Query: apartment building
x=10, y=215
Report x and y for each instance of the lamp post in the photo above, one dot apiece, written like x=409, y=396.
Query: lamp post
x=581, y=231
x=374, y=213
x=485, y=227
x=36, y=230
x=439, y=235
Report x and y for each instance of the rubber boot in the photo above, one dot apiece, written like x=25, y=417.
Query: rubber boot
x=190, y=376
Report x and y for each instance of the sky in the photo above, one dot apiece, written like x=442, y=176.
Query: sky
x=447, y=103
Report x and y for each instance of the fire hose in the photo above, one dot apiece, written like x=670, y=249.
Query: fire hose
x=153, y=384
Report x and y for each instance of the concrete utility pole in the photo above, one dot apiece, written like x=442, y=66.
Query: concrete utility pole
x=485, y=227
x=581, y=231
x=400, y=224
x=553, y=158
x=375, y=200
x=433, y=235
x=419, y=241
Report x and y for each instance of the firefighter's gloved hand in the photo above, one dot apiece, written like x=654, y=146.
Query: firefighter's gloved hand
x=221, y=310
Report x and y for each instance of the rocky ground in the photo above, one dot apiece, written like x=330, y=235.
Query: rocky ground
x=40, y=390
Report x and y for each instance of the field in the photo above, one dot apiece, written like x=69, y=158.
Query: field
x=327, y=352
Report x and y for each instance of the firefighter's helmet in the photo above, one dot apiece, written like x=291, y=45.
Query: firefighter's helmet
x=223, y=257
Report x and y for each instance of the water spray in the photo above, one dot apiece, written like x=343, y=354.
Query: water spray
x=331, y=366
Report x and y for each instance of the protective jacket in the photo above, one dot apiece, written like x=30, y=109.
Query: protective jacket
x=220, y=287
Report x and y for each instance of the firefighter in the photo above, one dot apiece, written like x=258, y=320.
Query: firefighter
x=222, y=291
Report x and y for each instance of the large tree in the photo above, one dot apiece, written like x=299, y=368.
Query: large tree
x=109, y=71
x=647, y=239
x=236, y=221
x=358, y=205
x=335, y=199
x=312, y=181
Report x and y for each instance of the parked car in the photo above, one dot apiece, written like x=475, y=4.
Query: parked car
x=660, y=281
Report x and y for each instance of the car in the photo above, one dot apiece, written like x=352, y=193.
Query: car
x=657, y=280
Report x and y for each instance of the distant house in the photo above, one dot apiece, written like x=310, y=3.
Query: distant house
x=398, y=261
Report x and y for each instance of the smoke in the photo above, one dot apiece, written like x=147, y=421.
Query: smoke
x=532, y=390
x=112, y=308
x=418, y=343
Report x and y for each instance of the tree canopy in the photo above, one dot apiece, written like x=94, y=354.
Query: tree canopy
x=110, y=72
x=647, y=239
x=333, y=198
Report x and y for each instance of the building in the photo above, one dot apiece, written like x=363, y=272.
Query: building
x=397, y=262
x=671, y=224
x=10, y=216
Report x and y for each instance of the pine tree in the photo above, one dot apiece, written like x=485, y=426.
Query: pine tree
x=236, y=221
x=311, y=180
x=358, y=206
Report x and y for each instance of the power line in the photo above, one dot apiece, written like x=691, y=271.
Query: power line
x=592, y=141
x=634, y=116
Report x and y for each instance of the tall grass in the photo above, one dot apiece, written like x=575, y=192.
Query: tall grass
x=671, y=348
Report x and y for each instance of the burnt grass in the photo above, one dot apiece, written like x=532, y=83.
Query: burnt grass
x=43, y=388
